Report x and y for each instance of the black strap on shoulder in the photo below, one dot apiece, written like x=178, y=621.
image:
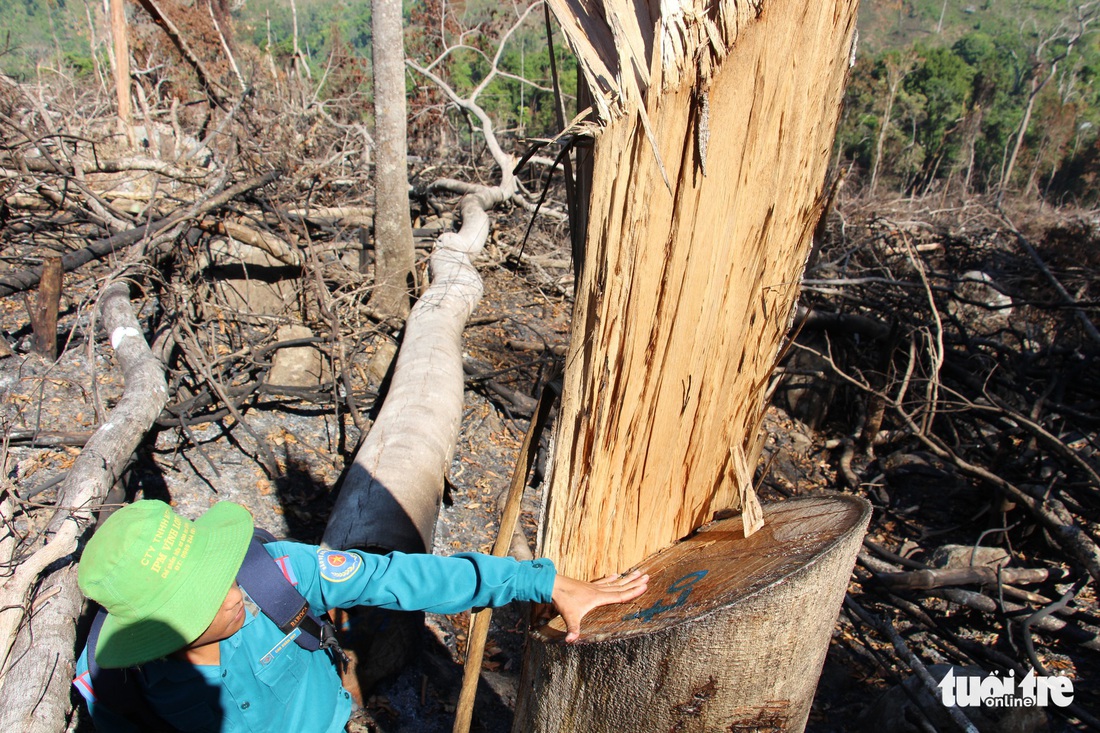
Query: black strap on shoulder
x=263, y=580
x=278, y=599
x=121, y=690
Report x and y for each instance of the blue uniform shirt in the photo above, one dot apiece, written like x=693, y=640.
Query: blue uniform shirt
x=265, y=682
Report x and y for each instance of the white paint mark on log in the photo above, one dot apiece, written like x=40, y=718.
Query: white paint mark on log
x=121, y=333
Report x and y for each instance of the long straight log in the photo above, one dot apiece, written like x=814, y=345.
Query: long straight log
x=981, y=575
x=731, y=635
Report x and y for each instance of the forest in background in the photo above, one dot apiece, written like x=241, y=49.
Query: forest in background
x=989, y=96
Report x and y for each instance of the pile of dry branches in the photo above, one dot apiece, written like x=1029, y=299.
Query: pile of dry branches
x=191, y=222
x=957, y=356
x=240, y=230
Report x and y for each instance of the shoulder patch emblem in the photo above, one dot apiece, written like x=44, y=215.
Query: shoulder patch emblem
x=336, y=567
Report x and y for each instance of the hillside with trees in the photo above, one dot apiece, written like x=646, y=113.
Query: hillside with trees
x=1002, y=97
x=981, y=97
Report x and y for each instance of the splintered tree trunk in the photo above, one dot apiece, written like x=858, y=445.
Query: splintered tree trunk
x=706, y=191
x=687, y=657
x=718, y=121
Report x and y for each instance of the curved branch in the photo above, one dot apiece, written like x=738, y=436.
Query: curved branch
x=503, y=160
x=500, y=50
x=106, y=455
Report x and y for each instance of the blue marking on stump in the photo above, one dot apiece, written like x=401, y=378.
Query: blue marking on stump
x=683, y=586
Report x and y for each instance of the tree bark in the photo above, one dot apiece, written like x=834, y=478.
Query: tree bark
x=37, y=673
x=393, y=239
x=730, y=636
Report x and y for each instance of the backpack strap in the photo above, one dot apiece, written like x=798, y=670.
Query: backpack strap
x=121, y=690
x=278, y=599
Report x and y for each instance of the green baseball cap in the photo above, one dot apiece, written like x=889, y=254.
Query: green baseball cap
x=161, y=577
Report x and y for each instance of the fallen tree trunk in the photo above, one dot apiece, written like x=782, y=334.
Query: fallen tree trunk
x=392, y=492
x=38, y=664
x=391, y=495
x=982, y=575
x=685, y=655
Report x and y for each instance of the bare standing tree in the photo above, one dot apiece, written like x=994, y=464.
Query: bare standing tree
x=898, y=66
x=393, y=274
x=1064, y=38
x=122, y=63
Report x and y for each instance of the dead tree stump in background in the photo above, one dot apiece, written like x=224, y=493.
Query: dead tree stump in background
x=43, y=312
x=688, y=655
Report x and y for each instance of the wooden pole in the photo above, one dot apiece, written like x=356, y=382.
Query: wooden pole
x=730, y=636
x=479, y=626
x=44, y=311
x=122, y=63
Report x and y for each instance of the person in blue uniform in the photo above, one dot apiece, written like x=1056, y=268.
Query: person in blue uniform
x=210, y=661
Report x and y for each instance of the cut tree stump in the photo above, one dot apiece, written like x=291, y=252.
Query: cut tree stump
x=686, y=656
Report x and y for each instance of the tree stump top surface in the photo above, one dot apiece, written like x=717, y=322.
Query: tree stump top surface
x=718, y=566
